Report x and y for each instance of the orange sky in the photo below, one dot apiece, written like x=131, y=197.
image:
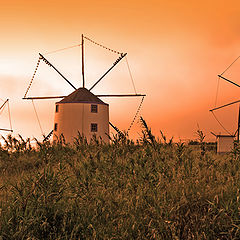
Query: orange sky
x=175, y=51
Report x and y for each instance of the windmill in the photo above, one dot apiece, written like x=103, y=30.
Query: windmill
x=225, y=143
x=82, y=111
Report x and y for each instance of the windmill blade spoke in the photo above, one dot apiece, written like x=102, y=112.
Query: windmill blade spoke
x=225, y=105
x=48, y=63
x=98, y=95
x=121, y=95
x=4, y=104
x=4, y=129
x=228, y=80
x=114, y=64
x=50, y=97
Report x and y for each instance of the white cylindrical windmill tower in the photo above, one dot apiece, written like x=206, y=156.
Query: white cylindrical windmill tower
x=81, y=112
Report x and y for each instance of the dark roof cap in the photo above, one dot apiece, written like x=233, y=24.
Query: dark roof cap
x=82, y=95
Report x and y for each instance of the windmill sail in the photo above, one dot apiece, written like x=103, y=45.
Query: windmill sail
x=81, y=90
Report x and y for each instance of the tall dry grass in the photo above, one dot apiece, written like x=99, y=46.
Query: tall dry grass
x=152, y=189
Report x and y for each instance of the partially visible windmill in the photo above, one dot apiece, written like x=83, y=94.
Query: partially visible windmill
x=226, y=142
x=82, y=111
x=2, y=108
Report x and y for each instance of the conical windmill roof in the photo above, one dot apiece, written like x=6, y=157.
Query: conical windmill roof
x=82, y=95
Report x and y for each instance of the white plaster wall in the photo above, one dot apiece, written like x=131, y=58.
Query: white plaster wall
x=225, y=144
x=74, y=117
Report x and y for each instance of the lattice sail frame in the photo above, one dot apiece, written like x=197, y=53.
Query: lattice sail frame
x=6, y=103
x=220, y=76
x=122, y=55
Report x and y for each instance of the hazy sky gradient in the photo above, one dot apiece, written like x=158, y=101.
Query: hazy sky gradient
x=175, y=51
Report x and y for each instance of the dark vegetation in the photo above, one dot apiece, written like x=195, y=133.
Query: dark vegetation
x=151, y=189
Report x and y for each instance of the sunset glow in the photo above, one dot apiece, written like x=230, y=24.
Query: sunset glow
x=175, y=51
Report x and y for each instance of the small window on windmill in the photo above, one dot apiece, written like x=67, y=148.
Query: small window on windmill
x=94, y=108
x=55, y=127
x=94, y=127
x=57, y=108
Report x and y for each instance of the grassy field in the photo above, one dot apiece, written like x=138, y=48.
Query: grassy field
x=124, y=190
